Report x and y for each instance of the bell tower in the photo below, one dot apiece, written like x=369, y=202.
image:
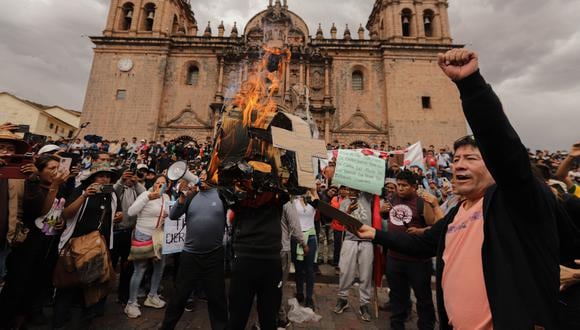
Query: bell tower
x=149, y=18
x=410, y=21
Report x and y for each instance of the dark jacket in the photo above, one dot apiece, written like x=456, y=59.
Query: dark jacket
x=521, y=245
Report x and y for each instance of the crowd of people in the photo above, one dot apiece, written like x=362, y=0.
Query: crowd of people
x=501, y=223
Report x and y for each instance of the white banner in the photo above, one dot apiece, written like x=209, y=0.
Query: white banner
x=174, y=234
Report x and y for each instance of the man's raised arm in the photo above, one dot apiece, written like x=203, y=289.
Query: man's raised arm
x=504, y=154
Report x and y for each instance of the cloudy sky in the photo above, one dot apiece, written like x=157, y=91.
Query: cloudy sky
x=529, y=49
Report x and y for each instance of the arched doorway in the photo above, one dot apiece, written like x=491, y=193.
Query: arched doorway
x=359, y=144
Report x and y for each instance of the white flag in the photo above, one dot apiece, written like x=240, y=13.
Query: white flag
x=414, y=155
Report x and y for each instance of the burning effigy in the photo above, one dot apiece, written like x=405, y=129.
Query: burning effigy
x=259, y=147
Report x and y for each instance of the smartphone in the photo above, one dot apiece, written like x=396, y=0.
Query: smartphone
x=133, y=167
x=106, y=189
x=75, y=158
x=65, y=164
x=162, y=190
x=13, y=163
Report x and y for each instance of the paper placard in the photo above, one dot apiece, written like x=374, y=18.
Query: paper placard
x=358, y=171
x=173, y=234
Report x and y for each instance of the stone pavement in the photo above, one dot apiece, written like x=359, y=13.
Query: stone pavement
x=325, y=300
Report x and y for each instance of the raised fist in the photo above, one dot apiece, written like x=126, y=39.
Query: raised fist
x=458, y=63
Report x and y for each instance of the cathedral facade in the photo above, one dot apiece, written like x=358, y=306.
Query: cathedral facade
x=155, y=72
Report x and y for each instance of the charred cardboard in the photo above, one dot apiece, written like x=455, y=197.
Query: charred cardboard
x=306, y=148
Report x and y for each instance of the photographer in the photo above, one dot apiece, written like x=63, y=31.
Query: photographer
x=12, y=232
x=127, y=190
x=93, y=206
x=31, y=264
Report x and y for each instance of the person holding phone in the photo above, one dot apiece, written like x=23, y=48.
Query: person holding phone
x=128, y=189
x=356, y=254
x=30, y=264
x=150, y=209
x=92, y=206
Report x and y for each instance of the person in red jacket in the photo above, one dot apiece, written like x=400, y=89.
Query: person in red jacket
x=337, y=228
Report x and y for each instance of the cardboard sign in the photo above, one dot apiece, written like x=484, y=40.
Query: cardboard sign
x=358, y=171
x=306, y=148
x=174, y=235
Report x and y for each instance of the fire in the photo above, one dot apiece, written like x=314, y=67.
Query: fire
x=256, y=93
x=255, y=100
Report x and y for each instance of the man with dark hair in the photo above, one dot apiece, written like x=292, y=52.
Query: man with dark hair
x=406, y=213
x=498, y=251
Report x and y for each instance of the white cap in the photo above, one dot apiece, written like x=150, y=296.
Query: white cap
x=49, y=148
x=142, y=166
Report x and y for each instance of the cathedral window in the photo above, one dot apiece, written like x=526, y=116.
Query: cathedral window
x=428, y=22
x=192, y=75
x=121, y=94
x=127, y=18
x=357, y=81
x=149, y=17
x=426, y=102
x=406, y=16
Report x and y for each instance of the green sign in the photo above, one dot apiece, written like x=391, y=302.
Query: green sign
x=358, y=171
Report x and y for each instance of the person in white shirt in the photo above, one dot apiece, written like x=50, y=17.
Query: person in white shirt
x=150, y=208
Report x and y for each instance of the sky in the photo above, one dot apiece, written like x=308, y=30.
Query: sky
x=529, y=51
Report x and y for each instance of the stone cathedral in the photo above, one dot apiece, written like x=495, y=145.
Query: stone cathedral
x=157, y=71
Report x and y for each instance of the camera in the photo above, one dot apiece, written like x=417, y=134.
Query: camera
x=105, y=189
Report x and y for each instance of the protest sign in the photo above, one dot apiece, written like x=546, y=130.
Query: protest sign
x=358, y=171
x=174, y=235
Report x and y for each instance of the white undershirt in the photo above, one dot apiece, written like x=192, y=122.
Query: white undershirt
x=305, y=214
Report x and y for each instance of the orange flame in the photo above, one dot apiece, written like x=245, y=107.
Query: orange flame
x=257, y=92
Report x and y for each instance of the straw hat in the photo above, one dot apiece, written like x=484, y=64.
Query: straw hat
x=101, y=168
x=21, y=146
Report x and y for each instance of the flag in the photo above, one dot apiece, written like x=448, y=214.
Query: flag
x=379, y=258
x=414, y=155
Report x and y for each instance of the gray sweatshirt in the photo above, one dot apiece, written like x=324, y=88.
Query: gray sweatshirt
x=205, y=221
x=364, y=212
x=127, y=196
x=290, y=226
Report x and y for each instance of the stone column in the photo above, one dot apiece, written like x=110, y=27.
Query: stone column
x=301, y=72
x=327, y=126
x=327, y=83
x=219, y=97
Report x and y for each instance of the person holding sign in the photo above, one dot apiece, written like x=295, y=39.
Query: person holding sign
x=498, y=250
x=202, y=258
x=356, y=253
x=150, y=211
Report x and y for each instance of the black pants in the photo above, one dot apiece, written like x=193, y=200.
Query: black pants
x=338, y=238
x=569, y=308
x=403, y=275
x=209, y=268
x=120, y=254
x=29, y=277
x=255, y=277
x=64, y=301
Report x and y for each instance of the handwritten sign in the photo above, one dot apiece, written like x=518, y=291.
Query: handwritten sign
x=358, y=171
x=174, y=235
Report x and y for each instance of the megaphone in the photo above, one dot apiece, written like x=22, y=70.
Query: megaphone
x=179, y=170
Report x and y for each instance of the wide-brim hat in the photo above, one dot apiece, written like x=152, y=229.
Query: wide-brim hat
x=101, y=168
x=21, y=146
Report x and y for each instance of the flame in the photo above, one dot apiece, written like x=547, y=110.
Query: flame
x=257, y=92
x=256, y=98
